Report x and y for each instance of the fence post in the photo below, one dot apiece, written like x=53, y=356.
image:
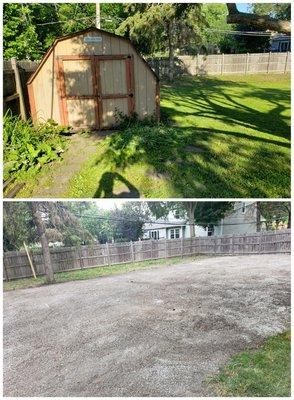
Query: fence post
x=233, y=244
x=247, y=63
x=5, y=271
x=132, y=252
x=81, y=259
x=165, y=248
x=286, y=62
x=107, y=253
x=182, y=247
x=19, y=90
x=268, y=61
x=260, y=242
x=222, y=63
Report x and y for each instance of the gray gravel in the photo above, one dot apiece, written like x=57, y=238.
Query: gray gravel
x=155, y=332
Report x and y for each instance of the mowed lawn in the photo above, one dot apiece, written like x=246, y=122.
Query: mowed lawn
x=226, y=136
x=222, y=137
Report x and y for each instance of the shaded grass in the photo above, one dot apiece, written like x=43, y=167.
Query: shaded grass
x=94, y=272
x=221, y=137
x=264, y=372
x=238, y=126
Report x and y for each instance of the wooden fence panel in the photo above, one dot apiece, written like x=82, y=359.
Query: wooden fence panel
x=219, y=64
x=16, y=263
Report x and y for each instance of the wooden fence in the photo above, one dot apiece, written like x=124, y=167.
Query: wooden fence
x=15, y=77
x=220, y=64
x=16, y=263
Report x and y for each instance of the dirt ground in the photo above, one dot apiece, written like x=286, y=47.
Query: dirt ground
x=156, y=332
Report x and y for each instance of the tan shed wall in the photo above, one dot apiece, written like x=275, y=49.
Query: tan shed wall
x=45, y=93
x=145, y=82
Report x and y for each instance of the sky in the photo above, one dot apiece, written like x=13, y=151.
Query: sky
x=243, y=7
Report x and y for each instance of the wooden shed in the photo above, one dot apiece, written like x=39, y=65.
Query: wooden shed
x=85, y=78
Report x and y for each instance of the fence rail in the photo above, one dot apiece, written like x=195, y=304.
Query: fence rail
x=220, y=64
x=16, y=263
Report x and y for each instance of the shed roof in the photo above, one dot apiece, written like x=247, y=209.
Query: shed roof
x=78, y=33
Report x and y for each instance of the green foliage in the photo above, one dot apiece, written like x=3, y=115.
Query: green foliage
x=18, y=226
x=265, y=372
x=30, y=29
x=27, y=146
x=275, y=10
x=275, y=213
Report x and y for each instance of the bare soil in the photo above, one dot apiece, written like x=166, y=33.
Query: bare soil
x=156, y=332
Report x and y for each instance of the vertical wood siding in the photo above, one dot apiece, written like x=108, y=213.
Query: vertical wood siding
x=78, y=81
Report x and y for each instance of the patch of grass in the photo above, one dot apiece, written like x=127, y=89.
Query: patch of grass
x=265, y=372
x=228, y=136
x=94, y=272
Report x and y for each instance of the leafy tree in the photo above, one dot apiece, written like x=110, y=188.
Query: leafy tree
x=200, y=213
x=158, y=26
x=18, y=226
x=276, y=212
x=280, y=11
x=37, y=210
x=60, y=225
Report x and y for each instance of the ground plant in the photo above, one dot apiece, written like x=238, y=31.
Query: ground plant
x=28, y=147
x=264, y=372
x=225, y=136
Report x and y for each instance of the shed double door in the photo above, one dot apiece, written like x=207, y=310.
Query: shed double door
x=93, y=90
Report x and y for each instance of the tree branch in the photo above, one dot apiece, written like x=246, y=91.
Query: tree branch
x=263, y=22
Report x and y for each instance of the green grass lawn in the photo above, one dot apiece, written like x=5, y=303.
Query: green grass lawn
x=265, y=372
x=230, y=138
x=94, y=272
x=226, y=136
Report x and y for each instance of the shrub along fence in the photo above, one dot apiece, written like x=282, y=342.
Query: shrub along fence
x=220, y=64
x=16, y=263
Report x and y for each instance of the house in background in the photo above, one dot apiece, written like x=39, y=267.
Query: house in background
x=171, y=227
x=280, y=43
x=242, y=219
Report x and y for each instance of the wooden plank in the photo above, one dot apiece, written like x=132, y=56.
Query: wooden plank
x=62, y=92
x=130, y=84
x=32, y=102
x=12, y=97
x=30, y=261
x=19, y=90
x=95, y=92
x=99, y=90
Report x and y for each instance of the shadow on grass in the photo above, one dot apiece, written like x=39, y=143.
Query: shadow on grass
x=106, y=187
x=253, y=161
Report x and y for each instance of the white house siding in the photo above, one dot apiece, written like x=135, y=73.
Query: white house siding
x=238, y=221
x=164, y=228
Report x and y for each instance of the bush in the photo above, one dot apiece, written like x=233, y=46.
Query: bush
x=26, y=146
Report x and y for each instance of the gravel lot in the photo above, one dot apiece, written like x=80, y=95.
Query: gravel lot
x=155, y=332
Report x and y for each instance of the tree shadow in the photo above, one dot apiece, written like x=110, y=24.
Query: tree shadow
x=106, y=187
x=197, y=161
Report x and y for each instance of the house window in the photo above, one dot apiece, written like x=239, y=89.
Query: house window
x=175, y=233
x=154, y=235
x=210, y=230
x=177, y=214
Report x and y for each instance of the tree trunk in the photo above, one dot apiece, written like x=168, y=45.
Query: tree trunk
x=35, y=207
x=263, y=22
x=190, y=208
x=257, y=216
x=171, y=57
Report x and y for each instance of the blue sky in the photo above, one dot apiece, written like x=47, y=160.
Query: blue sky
x=243, y=7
